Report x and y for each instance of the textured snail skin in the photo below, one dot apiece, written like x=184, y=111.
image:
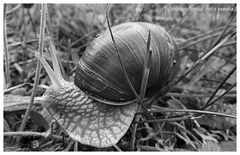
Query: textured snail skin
x=86, y=120
x=99, y=73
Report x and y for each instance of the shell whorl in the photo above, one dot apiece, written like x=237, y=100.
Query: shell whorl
x=100, y=75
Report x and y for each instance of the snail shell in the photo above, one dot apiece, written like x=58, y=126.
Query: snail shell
x=100, y=75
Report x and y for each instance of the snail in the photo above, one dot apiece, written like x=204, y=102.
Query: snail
x=98, y=108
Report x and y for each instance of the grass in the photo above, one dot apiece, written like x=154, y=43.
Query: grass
x=207, y=78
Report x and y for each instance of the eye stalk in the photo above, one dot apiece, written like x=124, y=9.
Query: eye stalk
x=53, y=53
x=54, y=74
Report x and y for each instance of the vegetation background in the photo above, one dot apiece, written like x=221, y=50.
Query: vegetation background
x=197, y=29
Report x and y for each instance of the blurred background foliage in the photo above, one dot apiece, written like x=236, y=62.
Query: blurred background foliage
x=195, y=27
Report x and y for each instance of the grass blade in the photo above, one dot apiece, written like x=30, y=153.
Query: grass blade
x=7, y=67
x=37, y=75
x=220, y=85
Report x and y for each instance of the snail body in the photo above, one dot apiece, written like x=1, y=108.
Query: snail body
x=98, y=108
x=86, y=120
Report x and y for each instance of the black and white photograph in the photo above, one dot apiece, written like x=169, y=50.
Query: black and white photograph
x=119, y=77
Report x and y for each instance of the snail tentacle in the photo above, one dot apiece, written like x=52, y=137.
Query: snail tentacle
x=53, y=53
x=54, y=80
